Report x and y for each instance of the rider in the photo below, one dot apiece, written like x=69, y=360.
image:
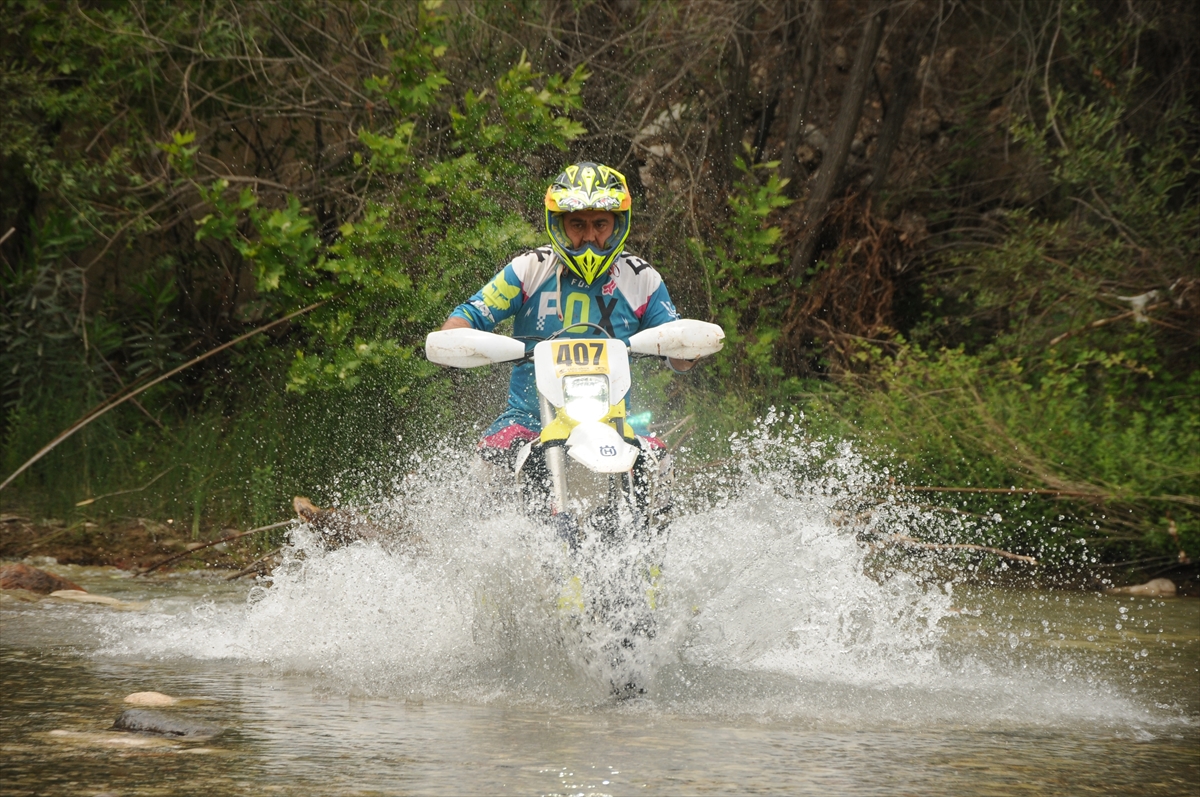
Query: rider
x=584, y=275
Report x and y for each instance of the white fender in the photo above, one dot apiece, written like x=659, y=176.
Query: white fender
x=468, y=348
x=599, y=448
x=685, y=339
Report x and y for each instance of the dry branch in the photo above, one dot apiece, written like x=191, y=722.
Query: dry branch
x=912, y=542
x=253, y=566
x=1003, y=490
x=121, y=399
x=87, y=501
x=1188, y=500
x=202, y=546
x=687, y=419
x=1106, y=321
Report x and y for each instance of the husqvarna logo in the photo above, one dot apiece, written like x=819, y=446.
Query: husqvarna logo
x=608, y=451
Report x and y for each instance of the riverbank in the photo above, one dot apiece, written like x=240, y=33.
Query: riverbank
x=126, y=543
x=137, y=543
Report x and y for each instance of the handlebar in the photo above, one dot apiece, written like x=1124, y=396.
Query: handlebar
x=555, y=335
x=467, y=348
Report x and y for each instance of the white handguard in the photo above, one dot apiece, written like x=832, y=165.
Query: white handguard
x=468, y=348
x=685, y=339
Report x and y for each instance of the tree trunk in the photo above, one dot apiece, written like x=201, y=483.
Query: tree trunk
x=808, y=54
x=766, y=118
x=736, y=72
x=904, y=87
x=834, y=161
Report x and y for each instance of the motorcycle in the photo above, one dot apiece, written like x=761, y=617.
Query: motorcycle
x=602, y=488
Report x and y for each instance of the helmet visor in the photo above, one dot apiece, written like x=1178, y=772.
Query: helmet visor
x=589, y=260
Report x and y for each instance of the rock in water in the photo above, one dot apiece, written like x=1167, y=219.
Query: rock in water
x=149, y=699
x=1154, y=588
x=140, y=720
x=19, y=576
x=79, y=596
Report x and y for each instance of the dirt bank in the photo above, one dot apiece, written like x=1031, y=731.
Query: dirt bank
x=135, y=543
x=126, y=543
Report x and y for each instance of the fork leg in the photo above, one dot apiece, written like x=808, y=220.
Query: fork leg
x=556, y=463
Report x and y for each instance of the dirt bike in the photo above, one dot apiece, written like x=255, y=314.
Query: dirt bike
x=602, y=488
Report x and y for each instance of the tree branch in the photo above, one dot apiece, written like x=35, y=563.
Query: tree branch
x=1105, y=322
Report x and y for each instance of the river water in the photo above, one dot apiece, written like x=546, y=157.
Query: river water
x=788, y=657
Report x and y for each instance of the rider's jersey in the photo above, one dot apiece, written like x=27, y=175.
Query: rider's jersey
x=542, y=297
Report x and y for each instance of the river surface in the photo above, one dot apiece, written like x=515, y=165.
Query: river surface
x=786, y=658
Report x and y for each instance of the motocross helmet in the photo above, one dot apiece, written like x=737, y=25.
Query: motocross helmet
x=588, y=186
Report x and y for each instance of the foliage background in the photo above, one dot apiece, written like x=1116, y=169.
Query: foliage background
x=961, y=233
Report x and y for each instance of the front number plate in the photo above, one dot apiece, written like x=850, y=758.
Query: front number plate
x=580, y=357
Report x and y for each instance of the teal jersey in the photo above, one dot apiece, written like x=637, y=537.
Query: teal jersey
x=542, y=298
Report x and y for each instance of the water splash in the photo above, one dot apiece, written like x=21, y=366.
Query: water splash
x=770, y=604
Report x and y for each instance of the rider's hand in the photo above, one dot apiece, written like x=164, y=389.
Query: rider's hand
x=680, y=366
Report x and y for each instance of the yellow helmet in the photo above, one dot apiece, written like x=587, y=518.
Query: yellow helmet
x=588, y=186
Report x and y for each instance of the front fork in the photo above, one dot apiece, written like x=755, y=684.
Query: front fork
x=556, y=462
x=641, y=495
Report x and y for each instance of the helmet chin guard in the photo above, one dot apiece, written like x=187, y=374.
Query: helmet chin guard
x=588, y=186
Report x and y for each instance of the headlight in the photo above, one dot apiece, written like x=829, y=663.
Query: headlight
x=585, y=398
